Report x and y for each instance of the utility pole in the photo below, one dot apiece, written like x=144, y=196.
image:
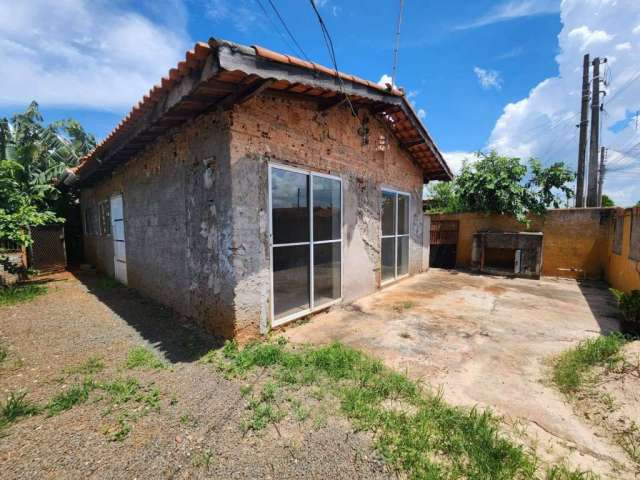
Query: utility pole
x=603, y=153
x=394, y=69
x=592, y=189
x=584, y=122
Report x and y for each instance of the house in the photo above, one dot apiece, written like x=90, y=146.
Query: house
x=251, y=188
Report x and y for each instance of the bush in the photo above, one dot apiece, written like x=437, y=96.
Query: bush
x=629, y=304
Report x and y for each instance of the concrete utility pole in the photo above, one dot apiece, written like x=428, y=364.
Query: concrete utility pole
x=603, y=153
x=584, y=123
x=592, y=189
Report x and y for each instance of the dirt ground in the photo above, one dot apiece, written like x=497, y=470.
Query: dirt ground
x=486, y=341
x=196, y=431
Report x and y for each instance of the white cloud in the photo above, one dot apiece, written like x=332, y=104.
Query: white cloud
x=336, y=10
x=512, y=10
x=636, y=30
x=588, y=37
x=421, y=113
x=543, y=124
x=488, y=78
x=241, y=14
x=85, y=54
x=385, y=80
x=456, y=159
x=624, y=46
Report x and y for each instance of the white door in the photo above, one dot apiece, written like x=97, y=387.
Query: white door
x=117, y=230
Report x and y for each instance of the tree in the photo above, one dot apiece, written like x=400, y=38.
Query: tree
x=32, y=157
x=442, y=198
x=504, y=185
x=607, y=202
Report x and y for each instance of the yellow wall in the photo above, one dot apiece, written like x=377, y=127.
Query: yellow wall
x=575, y=244
x=620, y=271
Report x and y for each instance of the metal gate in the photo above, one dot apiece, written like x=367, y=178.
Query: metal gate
x=444, y=243
x=47, y=253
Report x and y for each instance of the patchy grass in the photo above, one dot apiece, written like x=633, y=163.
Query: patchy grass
x=429, y=440
x=92, y=366
x=73, y=396
x=16, y=407
x=140, y=357
x=562, y=472
x=107, y=283
x=572, y=368
x=20, y=293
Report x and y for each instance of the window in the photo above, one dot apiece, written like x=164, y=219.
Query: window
x=105, y=217
x=90, y=221
x=395, y=235
x=306, y=233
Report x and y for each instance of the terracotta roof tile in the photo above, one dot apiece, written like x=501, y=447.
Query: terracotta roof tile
x=194, y=59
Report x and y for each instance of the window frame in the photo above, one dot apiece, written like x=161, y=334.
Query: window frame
x=310, y=243
x=104, y=217
x=396, y=236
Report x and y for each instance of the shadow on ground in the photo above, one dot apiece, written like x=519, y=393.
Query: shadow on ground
x=602, y=304
x=160, y=326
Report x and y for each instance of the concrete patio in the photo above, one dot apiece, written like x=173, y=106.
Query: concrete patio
x=486, y=341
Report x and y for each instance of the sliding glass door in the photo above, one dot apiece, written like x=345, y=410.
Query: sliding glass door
x=306, y=242
x=394, y=244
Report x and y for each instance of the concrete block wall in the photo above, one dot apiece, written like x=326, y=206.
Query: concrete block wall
x=176, y=209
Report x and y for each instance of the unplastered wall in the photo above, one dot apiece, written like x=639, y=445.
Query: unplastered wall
x=574, y=244
x=176, y=212
x=278, y=129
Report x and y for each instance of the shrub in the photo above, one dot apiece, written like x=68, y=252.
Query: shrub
x=629, y=304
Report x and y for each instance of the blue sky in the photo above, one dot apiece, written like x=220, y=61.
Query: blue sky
x=483, y=74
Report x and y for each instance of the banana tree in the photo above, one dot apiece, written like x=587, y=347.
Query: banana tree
x=32, y=157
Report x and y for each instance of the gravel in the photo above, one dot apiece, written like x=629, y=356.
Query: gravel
x=196, y=431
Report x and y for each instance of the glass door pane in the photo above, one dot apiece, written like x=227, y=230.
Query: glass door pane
x=388, y=213
x=290, y=280
x=388, y=258
x=327, y=224
x=326, y=272
x=290, y=206
x=403, y=255
x=403, y=214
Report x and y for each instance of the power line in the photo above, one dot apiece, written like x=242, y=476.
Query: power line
x=332, y=54
x=284, y=24
x=286, y=40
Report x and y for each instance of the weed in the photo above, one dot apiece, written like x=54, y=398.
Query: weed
x=203, y=459
x=107, y=283
x=92, y=366
x=121, y=430
x=572, y=368
x=188, y=420
x=562, y=472
x=17, y=406
x=401, y=307
x=140, y=357
x=246, y=390
x=4, y=353
x=299, y=411
x=69, y=398
x=173, y=401
x=20, y=293
x=120, y=391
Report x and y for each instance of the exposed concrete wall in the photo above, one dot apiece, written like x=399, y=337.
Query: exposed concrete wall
x=574, y=245
x=176, y=217
x=623, y=272
x=280, y=129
